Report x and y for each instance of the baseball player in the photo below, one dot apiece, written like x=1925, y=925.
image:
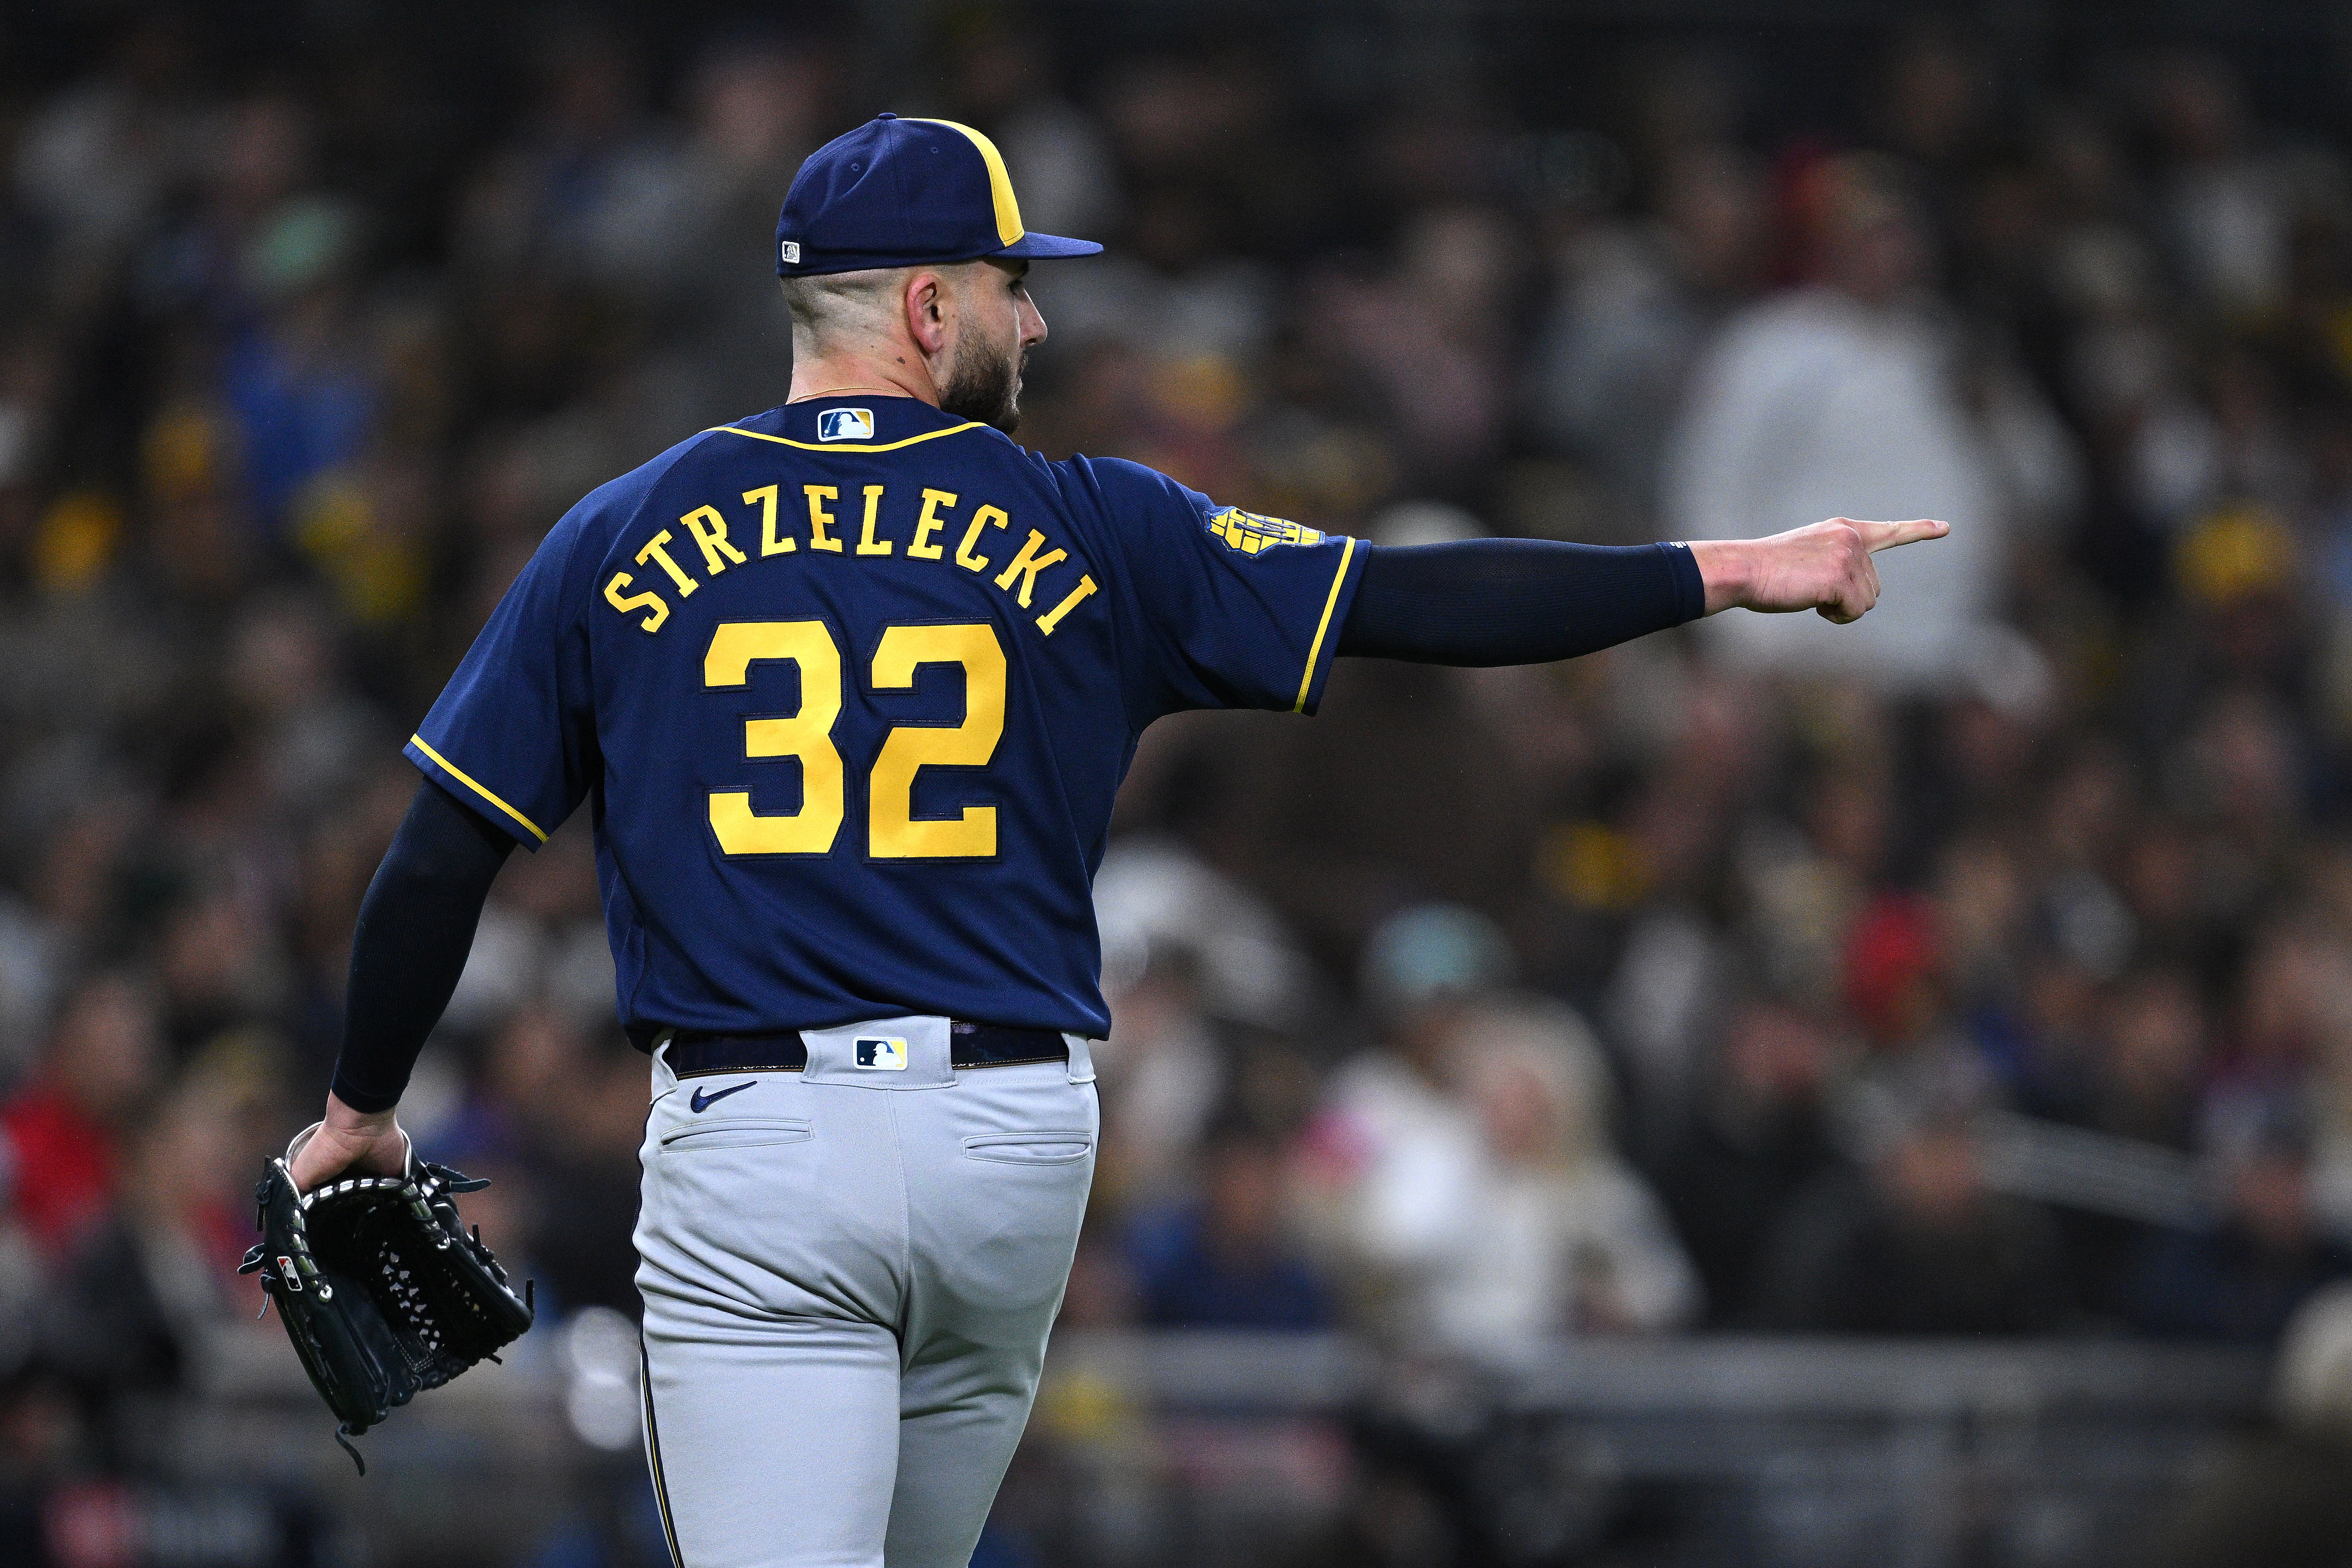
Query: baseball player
x=848, y=687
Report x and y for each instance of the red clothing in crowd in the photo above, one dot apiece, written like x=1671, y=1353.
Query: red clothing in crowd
x=61, y=1164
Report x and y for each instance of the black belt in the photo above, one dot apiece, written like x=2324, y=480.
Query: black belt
x=694, y=1054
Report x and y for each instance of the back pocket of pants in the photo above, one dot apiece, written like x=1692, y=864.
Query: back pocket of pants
x=737, y=1134
x=1045, y=1149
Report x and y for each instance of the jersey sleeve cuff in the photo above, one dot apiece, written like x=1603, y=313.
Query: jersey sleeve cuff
x=366, y=1102
x=1690, y=584
x=1324, y=648
x=462, y=785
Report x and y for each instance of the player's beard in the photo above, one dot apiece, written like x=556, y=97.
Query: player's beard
x=984, y=383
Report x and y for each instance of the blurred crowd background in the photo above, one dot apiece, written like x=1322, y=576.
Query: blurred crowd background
x=1984, y=969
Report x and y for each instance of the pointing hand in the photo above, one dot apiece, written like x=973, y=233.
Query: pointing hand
x=1823, y=566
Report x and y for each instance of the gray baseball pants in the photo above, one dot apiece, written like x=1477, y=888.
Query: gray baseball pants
x=849, y=1273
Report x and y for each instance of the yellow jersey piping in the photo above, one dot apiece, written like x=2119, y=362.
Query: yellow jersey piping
x=847, y=445
x=1315, y=649
x=460, y=775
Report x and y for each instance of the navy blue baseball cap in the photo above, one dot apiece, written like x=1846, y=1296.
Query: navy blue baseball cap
x=905, y=193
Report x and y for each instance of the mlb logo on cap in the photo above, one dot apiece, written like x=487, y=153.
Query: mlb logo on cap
x=881, y=1055
x=846, y=425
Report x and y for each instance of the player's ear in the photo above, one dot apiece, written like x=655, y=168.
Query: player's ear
x=926, y=310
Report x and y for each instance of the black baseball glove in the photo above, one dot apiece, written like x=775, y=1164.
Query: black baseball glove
x=381, y=1287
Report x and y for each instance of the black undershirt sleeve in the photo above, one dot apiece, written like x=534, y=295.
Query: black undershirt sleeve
x=1516, y=601
x=415, y=928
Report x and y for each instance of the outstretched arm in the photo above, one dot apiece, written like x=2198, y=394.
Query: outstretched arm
x=1525, y=602
x=415, y=928
x=1515, y=602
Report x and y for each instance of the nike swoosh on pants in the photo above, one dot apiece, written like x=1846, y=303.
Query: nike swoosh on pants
x=703, y=1099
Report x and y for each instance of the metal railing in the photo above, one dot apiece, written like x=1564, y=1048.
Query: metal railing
x=1754, y=1451
x=1165, y=1449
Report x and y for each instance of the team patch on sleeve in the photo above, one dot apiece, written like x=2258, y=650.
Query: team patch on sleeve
x=1252, y=534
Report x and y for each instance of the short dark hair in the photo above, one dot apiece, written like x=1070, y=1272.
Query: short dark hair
x=816, y=302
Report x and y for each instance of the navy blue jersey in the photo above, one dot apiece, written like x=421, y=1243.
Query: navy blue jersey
x=850, y=687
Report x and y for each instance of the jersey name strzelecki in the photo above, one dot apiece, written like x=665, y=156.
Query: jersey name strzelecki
x=851, y=714
x=877, y=535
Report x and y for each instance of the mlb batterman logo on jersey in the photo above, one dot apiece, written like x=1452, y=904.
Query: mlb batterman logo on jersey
x=1250, y=533
x=846, y=425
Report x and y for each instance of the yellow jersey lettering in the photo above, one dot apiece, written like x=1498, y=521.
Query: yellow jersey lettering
x=867, y=543
x=819, y=518
x=986, y=517
x=648, y=600
x=808, y=735
x=709, y=531
x=1052, y=617
x=654, y=551
x=893, y=831
x=769, y=543
x=1027, y=565
x=929, y=523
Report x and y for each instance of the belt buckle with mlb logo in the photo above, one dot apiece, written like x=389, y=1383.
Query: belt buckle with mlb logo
x=880, y=1055
x=844, y=425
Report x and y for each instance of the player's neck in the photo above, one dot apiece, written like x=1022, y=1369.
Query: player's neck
x=896, y=372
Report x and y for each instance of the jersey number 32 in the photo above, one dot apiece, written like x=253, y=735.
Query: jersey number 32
x=893, y=831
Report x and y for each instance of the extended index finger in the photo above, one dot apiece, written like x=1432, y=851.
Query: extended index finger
x=1876, y=537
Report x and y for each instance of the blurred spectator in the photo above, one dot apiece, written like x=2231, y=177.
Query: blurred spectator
x=63, y=1129
x=1566, y=1238
x=1759, y=1137
x=1160, y=1076
x=101, y=155
x=1914, y=1243
x=1428, y=339
x=1395, y=1121
x=1224, y=1261
x=755, y=103
x=2152, y=1062
x=1154, y=897
x=43, y=1441
x=579, y=1106
x=2243, y=1280
x=314, y=734
x=1636, y=303
x=2228, y=207
x=1839, y=399
x=147, y=1289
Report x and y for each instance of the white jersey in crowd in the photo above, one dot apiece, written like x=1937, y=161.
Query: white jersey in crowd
x=1814, y=405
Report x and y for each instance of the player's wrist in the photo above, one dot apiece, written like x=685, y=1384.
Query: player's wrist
x=345, y=1119
x=1727, y=569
